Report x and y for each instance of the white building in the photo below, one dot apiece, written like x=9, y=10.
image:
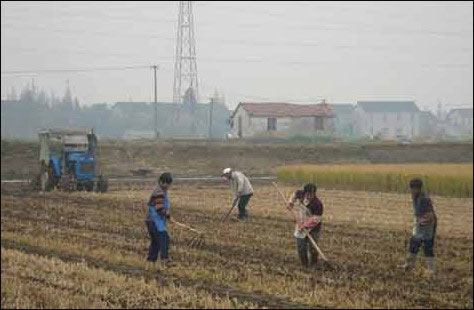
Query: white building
x=131, y=134
x=459, y=122
x=281, y=120
x=387, y=119
x=345, y=120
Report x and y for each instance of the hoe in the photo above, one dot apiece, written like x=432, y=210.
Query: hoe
x=232, y=208
x=307, y=233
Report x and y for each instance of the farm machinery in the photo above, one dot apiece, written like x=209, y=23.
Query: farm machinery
x=68, y=161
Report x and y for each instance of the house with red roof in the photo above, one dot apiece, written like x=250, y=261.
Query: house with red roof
x=280, y=119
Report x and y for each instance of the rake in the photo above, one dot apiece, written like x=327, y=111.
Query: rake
x=196, y=241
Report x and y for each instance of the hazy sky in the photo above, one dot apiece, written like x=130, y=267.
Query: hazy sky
x=250, y=51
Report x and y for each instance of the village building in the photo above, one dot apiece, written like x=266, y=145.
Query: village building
x=281, y=120
x=458, y=122
x=387, y=119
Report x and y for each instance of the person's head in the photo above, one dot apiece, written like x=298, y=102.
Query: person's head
x=416, y=186
x=309, y=191
x=165, y=180
x=227, y=173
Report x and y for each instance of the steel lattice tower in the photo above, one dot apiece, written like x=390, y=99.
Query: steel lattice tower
x=185, y=86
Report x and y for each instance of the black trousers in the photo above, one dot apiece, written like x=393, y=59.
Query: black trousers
x=243, y=202
x=428, y=245
x=304, y=246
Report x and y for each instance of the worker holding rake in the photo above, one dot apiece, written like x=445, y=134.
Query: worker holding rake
x=309, y=220
x=424, y=229
x=158, y=214
x=242, y=188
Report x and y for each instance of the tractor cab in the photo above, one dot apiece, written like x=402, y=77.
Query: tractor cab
x=68, y=160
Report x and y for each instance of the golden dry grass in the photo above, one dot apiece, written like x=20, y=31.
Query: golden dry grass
x=453, y=180
x=87, y=250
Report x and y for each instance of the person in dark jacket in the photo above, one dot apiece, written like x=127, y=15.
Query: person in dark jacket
x=424, y=228
x=308, y=221
x=157, y=216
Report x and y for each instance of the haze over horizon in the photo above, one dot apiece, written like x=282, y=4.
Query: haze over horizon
x=249, y=51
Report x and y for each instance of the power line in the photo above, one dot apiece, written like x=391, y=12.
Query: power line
x=443, y=66
x=29, y=72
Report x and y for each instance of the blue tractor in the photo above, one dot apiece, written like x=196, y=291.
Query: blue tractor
x=68, y=161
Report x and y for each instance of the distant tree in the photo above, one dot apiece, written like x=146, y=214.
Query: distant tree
x=42, y=99
x=12, y=95
x=76, y=104
x=189, y=97
x=67, y=99
x=27, y=94
x=53, y=99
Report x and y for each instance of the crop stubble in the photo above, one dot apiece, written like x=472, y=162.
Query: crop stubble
x=251, y=264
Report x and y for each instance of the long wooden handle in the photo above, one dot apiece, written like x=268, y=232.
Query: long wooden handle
x=281, y=194
x=284, y=201
x=316, y=246
x=232, y=208
x=306, y=233
x=279, y=191
x=187, y=227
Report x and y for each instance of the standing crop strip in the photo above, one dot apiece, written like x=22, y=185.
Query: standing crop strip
x=450, y=180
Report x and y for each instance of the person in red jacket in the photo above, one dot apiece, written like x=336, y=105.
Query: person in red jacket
x=308, y=220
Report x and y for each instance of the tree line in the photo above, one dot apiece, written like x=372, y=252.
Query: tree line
x=23, y=114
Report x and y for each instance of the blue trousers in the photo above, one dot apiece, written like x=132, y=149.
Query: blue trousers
x=159, y=243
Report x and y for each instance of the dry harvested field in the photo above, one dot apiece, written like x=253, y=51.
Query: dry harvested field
x=87, y=250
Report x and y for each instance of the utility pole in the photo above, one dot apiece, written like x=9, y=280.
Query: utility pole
x=155, y=67
x=210, y=117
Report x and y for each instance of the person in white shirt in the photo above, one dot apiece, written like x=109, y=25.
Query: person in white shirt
x=242, y=188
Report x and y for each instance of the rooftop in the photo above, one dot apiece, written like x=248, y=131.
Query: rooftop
x=388, y=106
x=282, y=109
x=464, y=112
x=342, y=108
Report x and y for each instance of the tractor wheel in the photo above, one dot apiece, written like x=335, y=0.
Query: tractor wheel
x=89, y=186
x=102, y=185
x=50, y=185
x=105, y=185
x=68, y=184
x=55, y=182
x=63, y=184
